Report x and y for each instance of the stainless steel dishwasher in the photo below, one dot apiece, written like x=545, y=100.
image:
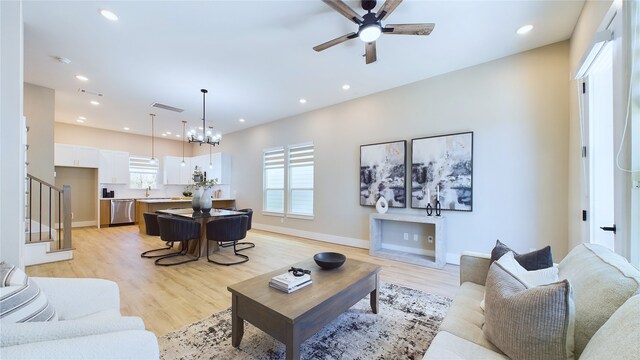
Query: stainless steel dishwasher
x=123, y=211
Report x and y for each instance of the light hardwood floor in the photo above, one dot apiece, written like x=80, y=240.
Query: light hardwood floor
x=168, y=298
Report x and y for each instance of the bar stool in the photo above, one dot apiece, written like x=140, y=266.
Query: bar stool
x=153, y=229
x=228, y=230
x=174, y=229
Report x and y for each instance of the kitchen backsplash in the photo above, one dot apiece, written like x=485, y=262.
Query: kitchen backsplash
x=123, y=191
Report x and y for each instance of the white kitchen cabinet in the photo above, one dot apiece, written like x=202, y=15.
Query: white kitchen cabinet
x=175, y=173
x=114, y=167
x=218, y=166
x=76, y=156
x=221, y=168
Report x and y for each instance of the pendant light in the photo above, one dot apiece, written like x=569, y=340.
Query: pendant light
x=210, y=163
x=153, y=159
x=184, y=124
x=211, y=139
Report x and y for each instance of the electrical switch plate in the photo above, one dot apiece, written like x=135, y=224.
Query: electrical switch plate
x=406, y=236
x=415, y=237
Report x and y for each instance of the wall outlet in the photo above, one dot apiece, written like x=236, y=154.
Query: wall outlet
x=430, y=239
x=71, y=216
x=281, y=220
x=406, y=236
x=415, y=237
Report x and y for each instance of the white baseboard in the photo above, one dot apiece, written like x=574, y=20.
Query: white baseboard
x=84, y=223
x=341, y=240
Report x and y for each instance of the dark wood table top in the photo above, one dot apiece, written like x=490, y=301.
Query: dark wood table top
x=325, y=285
x=189, y=213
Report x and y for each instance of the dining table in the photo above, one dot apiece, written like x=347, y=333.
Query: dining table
x=203, y=218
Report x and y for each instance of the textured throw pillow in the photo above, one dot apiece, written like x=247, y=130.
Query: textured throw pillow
x=21, y=299
x=535, y=260
x=529, y=278
x=529, y=323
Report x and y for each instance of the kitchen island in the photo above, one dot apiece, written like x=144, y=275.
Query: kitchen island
x=153, y=205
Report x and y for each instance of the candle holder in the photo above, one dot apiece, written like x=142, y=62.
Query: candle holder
x=438, y=208
x=429, y=209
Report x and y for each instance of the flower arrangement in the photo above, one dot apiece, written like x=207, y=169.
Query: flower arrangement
x=199, y=180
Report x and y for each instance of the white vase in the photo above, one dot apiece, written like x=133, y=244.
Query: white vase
x=205, y=200
x=382, y=205
x=195, y=200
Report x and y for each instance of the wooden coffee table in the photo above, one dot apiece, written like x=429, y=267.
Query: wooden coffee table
x=293, y=318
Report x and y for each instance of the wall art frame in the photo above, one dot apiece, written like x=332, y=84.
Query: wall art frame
x=444, y=163
x=383, y=173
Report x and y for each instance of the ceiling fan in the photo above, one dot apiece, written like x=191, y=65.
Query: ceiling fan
x=370, y=25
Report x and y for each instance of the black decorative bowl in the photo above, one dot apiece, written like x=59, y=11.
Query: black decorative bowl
x=329, y=260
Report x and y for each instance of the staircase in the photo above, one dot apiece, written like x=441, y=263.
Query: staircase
x=48, y=222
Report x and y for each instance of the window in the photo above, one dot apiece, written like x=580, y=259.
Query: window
x=273, y=180
x=297, y=181
x=301, y=180
x=142, y=173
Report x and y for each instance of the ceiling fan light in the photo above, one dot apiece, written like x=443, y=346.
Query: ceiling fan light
x=369, y=33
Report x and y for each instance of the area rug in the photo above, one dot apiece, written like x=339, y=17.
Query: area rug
x=406, y=322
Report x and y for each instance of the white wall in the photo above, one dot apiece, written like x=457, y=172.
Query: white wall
x=11, y=129
x=518, y=108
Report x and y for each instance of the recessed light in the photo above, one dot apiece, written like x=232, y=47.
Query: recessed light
x=80, y=121
x=241, y=120
x=525, y=29
x=346, y=87
x=93, y=102
x=200, y=128
x=82, y=78
x=163, y=134
x=109, y=15
x=168, y=132
x=177, y=135
x=126, y=128
x=303, y=101
x=82, y=118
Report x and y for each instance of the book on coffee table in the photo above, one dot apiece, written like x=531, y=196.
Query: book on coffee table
x=288, y=283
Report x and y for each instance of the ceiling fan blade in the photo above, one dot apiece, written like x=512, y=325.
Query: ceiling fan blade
x=408, y=29
x=370, y=52
x=387, y=9
x=345, y=10
x=335, y=41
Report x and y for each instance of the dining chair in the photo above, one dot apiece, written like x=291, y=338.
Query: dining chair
x=153, y=229
x=174, y=229
x=228, y=230
x=245, y=245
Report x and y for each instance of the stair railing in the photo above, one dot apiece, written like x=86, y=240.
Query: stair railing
x=57, y=197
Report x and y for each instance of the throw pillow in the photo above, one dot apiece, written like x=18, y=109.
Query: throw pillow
x=530, y=278
x=535, y=260
x=529, y=323
x=21, y=299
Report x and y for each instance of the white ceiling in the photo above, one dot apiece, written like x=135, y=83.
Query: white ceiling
x=255, y=57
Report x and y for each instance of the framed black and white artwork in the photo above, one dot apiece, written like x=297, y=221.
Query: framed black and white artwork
x=442, y=167
x=383, y=173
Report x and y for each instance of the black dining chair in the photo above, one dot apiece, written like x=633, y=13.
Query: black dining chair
x=174, y=229
x=245, y=245
x=228, y=230
x=153, y=229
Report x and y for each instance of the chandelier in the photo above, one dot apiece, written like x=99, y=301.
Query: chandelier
x=206, y=137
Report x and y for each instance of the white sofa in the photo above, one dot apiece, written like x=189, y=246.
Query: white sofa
x=90, y=326
x=607, y=308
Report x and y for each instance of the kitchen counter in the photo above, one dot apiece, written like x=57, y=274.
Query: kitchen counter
x=152, y=205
